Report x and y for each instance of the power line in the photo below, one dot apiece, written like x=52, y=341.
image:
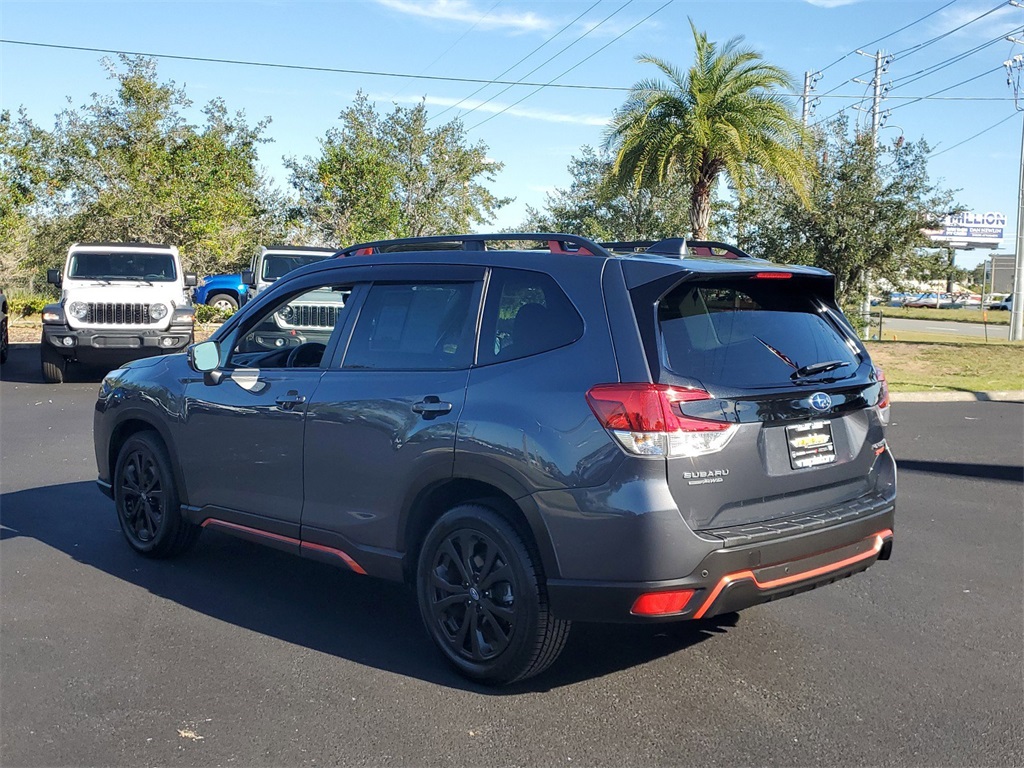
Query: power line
x=932, y=69
x=551, y=58
x=577, y=64
x=948, y=88
x=308, y=68
x=971, y=138
x=886, y=37
x=915, y=48
x=502, y=74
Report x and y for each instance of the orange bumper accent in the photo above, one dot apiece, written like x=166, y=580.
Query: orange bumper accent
x=879, y=540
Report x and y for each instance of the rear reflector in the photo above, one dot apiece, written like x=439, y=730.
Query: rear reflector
x=661, y=603
x=647, y=420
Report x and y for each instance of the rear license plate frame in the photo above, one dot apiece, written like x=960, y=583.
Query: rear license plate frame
x=810, y=444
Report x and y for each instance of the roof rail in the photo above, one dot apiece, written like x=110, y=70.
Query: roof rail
x=678, y=246
x=556, y=243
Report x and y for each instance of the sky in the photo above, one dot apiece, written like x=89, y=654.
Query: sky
x=944, y=68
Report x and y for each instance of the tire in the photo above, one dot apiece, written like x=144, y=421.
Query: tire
x=54, y=364
x=147, y=501
x=481, y=596
x=223, y=301
x=5, y=341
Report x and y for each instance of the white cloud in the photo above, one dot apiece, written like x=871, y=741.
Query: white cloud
x=995, y=24
x=483, y=109
x=464, y=11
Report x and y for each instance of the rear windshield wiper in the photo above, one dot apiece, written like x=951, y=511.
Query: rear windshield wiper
x=815, y=368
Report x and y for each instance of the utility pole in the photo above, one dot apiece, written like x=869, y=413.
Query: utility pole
x=1016, y=310
x=807, y=104
x=881, y=65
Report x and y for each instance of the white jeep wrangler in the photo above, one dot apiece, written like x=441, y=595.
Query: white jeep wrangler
x=119, y=302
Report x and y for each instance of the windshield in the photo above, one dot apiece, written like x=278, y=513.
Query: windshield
x=151, y=267
x=751, y=333
x=277, y=265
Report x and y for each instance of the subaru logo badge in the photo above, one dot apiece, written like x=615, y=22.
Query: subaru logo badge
x=820, y=401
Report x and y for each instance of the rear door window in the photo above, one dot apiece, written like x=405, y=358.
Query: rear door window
x=751, y=333
x=415, y=326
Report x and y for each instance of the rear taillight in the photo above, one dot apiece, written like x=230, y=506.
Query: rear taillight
x=647, y=420
x=883, y=394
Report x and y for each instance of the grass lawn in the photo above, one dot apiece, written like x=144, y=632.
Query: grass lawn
x=995, y=316
x=957, y=367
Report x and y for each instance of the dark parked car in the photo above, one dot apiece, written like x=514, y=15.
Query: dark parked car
x=528, y=437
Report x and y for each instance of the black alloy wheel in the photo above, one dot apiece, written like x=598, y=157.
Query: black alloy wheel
x=482, y=600
x=148, y=506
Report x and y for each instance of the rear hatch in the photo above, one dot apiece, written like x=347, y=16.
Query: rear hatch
x=760, y=362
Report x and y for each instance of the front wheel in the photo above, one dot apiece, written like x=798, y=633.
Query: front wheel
x=146, y=497
x=482, y=598
x=223, y=301
x=53, y=364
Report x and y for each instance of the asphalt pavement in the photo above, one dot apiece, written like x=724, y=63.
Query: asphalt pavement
x=241, y=655
x=944, y=327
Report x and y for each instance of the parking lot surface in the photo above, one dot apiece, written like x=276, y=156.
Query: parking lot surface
x=237, y=654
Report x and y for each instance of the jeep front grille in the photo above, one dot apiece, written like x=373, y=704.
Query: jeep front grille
x=118, y=314
x=313, y=316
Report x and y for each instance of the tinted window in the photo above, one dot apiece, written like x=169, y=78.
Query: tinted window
x=277, y=265
x=748, y=334
x=153, y=267
x=414, y=327
x=526, y=313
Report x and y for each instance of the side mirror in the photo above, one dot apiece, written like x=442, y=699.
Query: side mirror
x=191, y=281
x=205, y=358
x=248, y=278
x=53, y=277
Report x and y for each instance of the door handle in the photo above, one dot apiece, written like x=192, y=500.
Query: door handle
x=430, y=407
x=289, y=401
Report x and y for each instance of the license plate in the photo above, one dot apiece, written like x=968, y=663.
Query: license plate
x=810, y=444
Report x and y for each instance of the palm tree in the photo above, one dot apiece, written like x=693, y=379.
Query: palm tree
x=723, y=115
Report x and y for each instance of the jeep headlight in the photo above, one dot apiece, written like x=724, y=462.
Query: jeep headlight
x=286, y=314
x=78, y=310
x=158, y=311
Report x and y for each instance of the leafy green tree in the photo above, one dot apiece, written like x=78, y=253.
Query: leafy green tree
x=598, y=205
x=392, y=176
x=130, y=167
x=23, y=182
x=868, y=207
x=723, y=115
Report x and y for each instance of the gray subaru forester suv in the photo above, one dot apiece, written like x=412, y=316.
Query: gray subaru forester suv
x=560, y=431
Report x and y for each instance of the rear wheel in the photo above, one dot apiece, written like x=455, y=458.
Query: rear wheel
x=54, y=364
x=146, y=497
x=482, y=598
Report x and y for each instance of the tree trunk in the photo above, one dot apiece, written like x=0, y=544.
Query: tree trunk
x=700, y=208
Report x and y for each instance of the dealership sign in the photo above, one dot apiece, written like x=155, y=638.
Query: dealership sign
x=970, y=230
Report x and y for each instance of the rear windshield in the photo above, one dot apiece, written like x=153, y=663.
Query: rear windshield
x=279, y=265
x=153, y=267
x=751, y=333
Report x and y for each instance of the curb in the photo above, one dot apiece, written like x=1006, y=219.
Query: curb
x=1012, y=396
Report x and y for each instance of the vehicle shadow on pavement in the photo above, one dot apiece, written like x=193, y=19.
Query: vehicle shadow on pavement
x=23, y=366
x=368, y=621
x=1004, y=472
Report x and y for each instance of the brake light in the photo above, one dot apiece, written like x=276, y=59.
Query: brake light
x=661, y=603
x=647, y=420
x=883, y=395
x=773, y=275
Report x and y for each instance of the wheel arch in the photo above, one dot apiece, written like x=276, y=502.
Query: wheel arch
x=132, y=423
x=436, y=499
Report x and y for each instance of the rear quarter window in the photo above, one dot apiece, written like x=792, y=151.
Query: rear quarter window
x=526, y=313
x=748, y=333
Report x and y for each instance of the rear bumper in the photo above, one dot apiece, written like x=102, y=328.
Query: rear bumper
x=730, y=579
